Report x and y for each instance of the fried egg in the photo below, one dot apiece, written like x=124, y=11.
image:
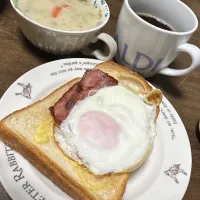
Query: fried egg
x=108, y=132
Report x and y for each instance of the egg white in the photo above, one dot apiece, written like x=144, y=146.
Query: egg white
x=137, y=130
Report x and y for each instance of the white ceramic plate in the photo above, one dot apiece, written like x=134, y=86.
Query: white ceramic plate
x=165, y=175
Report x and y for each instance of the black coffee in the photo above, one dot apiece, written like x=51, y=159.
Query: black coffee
x=156, y=21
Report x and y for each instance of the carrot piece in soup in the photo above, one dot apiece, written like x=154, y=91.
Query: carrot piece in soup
x=56, y=10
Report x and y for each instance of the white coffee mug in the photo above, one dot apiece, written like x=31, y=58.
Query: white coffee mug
x=60, y=42
x=149, y=50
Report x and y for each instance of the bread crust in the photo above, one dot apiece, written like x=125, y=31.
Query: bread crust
x=118, y=71
x=48, y=167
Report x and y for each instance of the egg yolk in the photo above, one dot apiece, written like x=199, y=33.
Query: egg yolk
x=99, y=130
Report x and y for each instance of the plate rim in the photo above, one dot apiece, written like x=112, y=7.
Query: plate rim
x=3, y=182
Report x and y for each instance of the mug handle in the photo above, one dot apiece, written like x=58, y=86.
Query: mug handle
x=97, y=53
x=194, y=52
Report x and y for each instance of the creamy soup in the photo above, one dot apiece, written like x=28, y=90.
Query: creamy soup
x=69, y=15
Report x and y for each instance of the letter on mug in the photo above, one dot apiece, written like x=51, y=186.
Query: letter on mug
x=150, y=64
x=138, y=58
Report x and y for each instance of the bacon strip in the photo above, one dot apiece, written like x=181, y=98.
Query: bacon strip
x=92, y=81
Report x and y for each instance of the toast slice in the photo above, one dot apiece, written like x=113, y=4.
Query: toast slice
x=18, y=129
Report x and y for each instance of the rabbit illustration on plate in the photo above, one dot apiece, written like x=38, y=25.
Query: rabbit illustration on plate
x=26, y=90
x=173, y=171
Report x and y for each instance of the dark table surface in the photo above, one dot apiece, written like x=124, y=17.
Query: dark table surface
x=18, y=56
